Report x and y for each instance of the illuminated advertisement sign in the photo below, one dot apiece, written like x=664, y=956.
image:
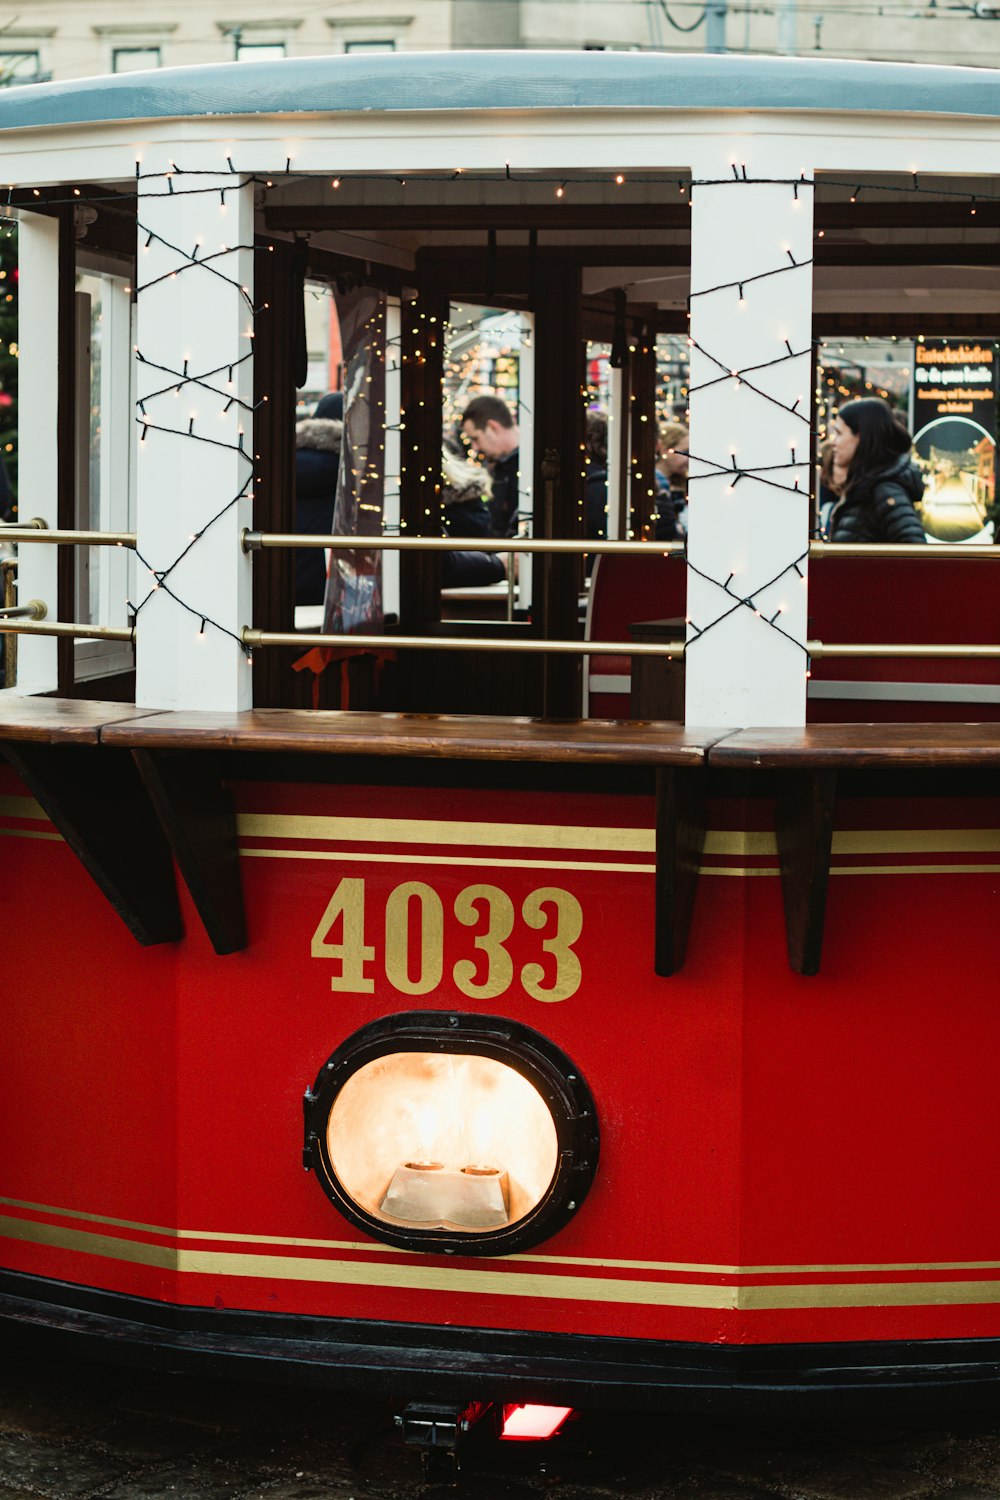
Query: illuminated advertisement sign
x=955, y=429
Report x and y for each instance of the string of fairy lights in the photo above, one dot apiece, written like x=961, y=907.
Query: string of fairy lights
x=219, y=380
x=771, y=475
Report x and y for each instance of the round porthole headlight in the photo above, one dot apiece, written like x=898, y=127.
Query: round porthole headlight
x=438, y=1131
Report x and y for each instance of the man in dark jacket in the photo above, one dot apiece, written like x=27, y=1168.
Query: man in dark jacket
x=489, y=426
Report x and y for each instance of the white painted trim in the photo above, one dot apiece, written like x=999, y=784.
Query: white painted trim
x=610, y=682
x=529, y=140
x=588, y=622
x=907, y=692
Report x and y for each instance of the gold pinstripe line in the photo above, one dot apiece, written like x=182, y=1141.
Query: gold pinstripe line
x=347, y=856
x=361, y=1273
x=30, y=833
x=693, y=1267
x=745, y=842
x=454, y=1279
x=434, y=831
x=481, y=862
x=21, y=807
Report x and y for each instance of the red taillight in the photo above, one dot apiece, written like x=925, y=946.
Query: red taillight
x=532, y=1423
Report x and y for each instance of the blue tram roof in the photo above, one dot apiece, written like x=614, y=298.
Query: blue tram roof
x=505, y=80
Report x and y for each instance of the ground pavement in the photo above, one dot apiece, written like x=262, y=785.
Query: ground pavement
x=82, y=1431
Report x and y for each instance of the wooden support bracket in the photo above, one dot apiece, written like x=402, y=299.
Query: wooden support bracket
x=680, y=838
x=804, y=826
x=96, y=800
x=197, y=815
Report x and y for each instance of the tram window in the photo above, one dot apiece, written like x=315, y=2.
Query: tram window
x=945, y=390
x=135, y=59
x=259, y=51
x=20, y=67
x=105, y=486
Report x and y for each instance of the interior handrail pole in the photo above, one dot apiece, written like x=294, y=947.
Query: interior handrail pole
x=253, y=638
x=819, y=649
x=32, y=531
x=255, y=541
x=64, y=628
x=904, y=549
x=35, y=609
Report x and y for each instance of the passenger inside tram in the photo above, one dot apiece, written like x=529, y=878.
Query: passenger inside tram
x=493, y=434
x=671, y=482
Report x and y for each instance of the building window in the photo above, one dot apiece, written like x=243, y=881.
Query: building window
x=19, y=67
x=134, y=59
x=369, y=46
x=259, y=51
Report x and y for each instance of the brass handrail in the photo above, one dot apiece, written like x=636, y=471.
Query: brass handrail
x=253, y=638
x=62, y=627
x=38, y=531
x=819, y=649
x=35, y=609
x=918, y=550
x=816, y=649
x=256, y=541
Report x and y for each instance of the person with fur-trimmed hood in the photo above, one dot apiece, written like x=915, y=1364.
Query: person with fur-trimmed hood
x=465, y=494
x=318, y=441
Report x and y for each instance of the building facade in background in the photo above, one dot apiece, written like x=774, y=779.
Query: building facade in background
x=44, y=39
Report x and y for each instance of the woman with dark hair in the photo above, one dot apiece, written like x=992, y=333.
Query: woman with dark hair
x=883, y=483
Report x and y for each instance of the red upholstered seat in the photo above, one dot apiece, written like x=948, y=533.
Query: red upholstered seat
x=624, y=591
x=932, y=600
x=915, y=601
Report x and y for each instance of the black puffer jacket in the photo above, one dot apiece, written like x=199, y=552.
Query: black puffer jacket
x=882, y=509
x=317, y=464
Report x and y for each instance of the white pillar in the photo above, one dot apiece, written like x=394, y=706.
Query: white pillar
x=38, y=362
x=747, y=523
x=195, y=439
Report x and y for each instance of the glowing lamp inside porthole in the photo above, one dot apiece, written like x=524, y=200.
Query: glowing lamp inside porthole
x=445, y=1140
x=440, y=1131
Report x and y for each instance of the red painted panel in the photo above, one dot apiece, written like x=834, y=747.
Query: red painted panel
x=796, y=1128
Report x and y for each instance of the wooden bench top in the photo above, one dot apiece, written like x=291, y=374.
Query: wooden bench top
x=51, y=721
x=461, y=737
x=435, y=736
x=845, y=747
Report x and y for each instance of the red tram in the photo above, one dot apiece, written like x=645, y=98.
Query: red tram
x=456, y=1042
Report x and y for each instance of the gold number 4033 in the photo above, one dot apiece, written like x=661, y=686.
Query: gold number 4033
x=550, y=910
